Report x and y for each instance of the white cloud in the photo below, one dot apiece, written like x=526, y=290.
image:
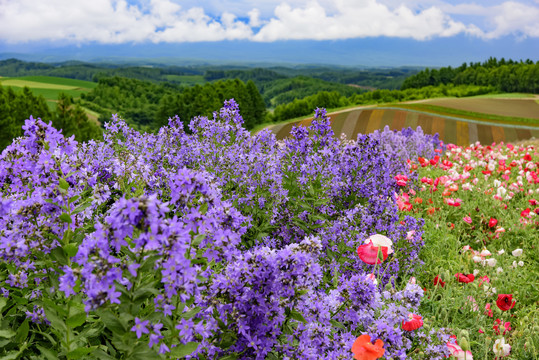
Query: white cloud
x=357, y=19
x=118, y=21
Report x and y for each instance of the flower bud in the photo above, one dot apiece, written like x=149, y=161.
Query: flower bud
x=464, y=344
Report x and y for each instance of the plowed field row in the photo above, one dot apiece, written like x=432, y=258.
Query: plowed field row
x=451, y=130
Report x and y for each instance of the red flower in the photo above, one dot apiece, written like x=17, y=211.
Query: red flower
x=363, y=349
x=414, y=322
x=505, y=301
x=525, y=213
x=369, y=253
x=465, y=278
x=438, y=281
x=497, y=324
x=492, y=222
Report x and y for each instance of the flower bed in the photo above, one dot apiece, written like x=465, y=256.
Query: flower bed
x=210, y=243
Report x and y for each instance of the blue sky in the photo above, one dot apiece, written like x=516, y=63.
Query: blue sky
x=361, y=32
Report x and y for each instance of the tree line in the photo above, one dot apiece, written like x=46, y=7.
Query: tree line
x=148, y=106
x=504, y=75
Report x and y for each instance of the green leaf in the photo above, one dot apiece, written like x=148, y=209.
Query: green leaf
x=76, y=319
x=197, y=240
x=8, y=334
x=73, y=199
x=337, y=324
x=184, y=349
x=52, y=316
x=233, y=356
x=80, y=352
x=3, y=303
x=65, y=218
x=229, y=339
x=22, y=332
x=63, y=184
x=71, y=249
x=49, y=354
x=12, y=355
x=112, y=322
x=297, y=316
x=58, y=254
x=191, y=313
x=82, y=207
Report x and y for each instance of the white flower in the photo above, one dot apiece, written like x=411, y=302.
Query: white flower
x=475, y=272
x=521, y=263
x=381, y=240
x=476, y=259
x=500, y=348
x=499, y=270
x=491, y=262
x=501, y=252
x=485, y=252
x=517, y=252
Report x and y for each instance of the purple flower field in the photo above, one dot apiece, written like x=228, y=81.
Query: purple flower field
x=208, y=243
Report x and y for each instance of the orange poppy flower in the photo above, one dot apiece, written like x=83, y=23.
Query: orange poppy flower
x=363, y=349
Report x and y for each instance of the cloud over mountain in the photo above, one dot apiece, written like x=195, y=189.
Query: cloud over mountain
x=158, y=21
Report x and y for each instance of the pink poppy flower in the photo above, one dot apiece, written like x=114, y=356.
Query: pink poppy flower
x=458, y=353
x=369, y=253
x=401, y=180
x=414, y=322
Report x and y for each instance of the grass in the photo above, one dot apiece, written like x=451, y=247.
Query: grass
x=441, y=110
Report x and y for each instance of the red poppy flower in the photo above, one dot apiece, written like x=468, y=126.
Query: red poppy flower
x=465, y=278
x=492, y=222
x=505, y=301
x=525, y=213
x=363, y=349
x=368, y=253
x=438, y=281
x=414, y=322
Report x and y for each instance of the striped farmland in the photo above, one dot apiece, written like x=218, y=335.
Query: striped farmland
x=450, y=129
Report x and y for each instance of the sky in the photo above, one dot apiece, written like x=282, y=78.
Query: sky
x=383, y=32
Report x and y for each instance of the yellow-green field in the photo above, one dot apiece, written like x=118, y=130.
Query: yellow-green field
x=484, y=124
x=50, y=87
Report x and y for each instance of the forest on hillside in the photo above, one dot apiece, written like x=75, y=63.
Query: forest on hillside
x=504, y=75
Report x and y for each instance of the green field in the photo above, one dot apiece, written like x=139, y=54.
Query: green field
x=186, y=79
x=49, y=87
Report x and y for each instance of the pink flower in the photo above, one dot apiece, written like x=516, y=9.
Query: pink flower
x=401, y=180
x=467, y=219
x=414, y=322
x=458, y=353
x=380, y=240
x=369, y=253
x=453, y=202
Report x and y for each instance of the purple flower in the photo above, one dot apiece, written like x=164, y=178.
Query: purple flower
x=140, y=327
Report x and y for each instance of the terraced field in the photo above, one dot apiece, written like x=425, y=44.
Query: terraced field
x=459, y=131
